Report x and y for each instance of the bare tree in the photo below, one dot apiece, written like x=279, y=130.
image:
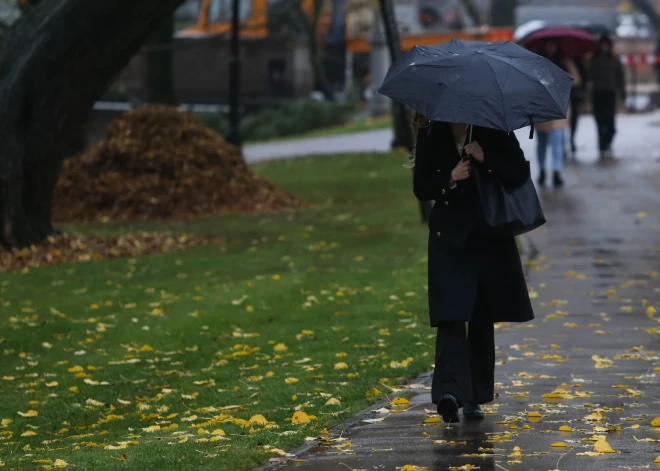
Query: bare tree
x=291, y=14
x=54, y=64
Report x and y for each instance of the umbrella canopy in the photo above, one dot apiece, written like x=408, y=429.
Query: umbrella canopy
x=574, y=42
x=527, y=29
x=524, y=30
x=497, y=85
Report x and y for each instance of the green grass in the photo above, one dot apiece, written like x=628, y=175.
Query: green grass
x=173, y=336
x=368, y=124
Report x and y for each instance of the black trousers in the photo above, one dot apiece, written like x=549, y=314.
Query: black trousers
x=465, y=361
x=604, y=104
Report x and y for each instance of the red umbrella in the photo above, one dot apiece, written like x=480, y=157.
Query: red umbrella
x=574, y=42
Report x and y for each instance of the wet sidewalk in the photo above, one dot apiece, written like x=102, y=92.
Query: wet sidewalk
x=578, y=387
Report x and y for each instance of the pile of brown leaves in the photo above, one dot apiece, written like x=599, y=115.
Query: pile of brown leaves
x=159, y=162
x=83, y=248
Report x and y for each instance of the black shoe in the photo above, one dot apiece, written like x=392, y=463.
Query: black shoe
x=473, y=411
x=542, y=178
x=448, y=408
x=557, y=181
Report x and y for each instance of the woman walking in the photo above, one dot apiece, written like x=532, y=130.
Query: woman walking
x=474, y=275
x=554, y=132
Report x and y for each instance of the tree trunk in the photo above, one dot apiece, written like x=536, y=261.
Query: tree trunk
x=160, y=55
x=54, y=64
x=310, y=26
x=317, y=57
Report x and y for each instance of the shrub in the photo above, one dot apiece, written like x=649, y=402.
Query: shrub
x=289, y=119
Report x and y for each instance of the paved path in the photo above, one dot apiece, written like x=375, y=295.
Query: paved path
x=632, y=140
x=589, y=362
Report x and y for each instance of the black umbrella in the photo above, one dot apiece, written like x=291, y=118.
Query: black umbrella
x=492, y=84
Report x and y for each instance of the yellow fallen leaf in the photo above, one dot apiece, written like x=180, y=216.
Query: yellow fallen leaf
x=6, y=422
x=242, y=422
x=280, y=348
x=277, y=451
x=218, y=431
x=258, y=419
x=373, y=392
x=29, y=433
x=400, y=401
x=73, y=389
x=291, y=380
x=565, y=428
x=30, y=413
x=534, y=414
x=123, y=446
x=596, y=416
x=333, y=402
x=517, y=452
x=552, y=396
x=559, y=445
x=410, y=467
x=655, y=422
x=657, y=460
x=146, y=348
x=601, y=446
x=60, y=464
x=341, y=366
x=651, y=311
x=433, y=420
x=300, y=417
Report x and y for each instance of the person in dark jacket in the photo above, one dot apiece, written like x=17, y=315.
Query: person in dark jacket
x=608, y=85
x=578, y=95
x=474, y=276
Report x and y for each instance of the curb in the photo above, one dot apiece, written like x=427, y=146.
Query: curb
x=344, y=426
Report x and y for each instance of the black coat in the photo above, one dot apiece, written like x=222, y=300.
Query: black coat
x=465, y=259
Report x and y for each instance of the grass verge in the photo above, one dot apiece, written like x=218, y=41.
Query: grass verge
x=367, y=124
x=161, y=361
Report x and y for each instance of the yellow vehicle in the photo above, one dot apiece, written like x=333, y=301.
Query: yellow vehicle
x=428, y=24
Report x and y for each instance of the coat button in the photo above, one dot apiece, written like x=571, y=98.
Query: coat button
x=490, y=171
x=439, y=170
x=443, y=192
x=439, y=234
x=446, y=203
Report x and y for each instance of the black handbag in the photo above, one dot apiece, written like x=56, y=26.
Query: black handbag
x=508, y=211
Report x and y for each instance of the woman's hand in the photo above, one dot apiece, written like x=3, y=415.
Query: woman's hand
x=462, y=171
x=474, y=149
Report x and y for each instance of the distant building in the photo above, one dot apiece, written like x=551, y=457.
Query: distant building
x=568, y=11
x=618, y=16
